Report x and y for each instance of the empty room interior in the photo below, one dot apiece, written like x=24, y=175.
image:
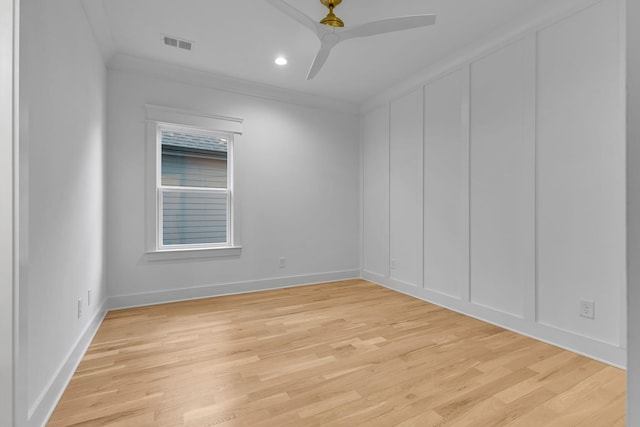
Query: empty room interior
x=232, y=214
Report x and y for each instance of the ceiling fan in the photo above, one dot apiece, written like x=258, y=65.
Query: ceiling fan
x=330, y=29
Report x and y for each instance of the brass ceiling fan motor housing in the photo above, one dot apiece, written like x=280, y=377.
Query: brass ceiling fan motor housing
x=331, y=19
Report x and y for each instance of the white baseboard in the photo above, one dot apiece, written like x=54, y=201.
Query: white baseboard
x=586, y=346
x=174, y=295
x=42, y=409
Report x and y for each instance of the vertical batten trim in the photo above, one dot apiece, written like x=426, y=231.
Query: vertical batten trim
x=465, y=121
x=421, y=175
x=361, y=196
x=530, y=133
x=389, y=189
x=536, y=182
x=469, y=67
x=424, y=195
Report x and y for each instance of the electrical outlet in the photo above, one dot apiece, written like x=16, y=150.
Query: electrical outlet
x=89, y=297
x=394, y=264
x=79, y=308
x=587, y=308
x=283, y=262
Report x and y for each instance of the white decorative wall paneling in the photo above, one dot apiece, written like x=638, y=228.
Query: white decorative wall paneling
x=502, y=178
x=446, y=185
x=405, y=160
x=523, y=174
x=581, y=180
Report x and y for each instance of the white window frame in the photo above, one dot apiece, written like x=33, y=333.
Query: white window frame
x=166, y=118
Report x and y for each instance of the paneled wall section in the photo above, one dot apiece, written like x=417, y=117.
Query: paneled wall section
x=502, y=178
x=405, y=213
x=506, y=197
x=446, y=185
x=581, y=184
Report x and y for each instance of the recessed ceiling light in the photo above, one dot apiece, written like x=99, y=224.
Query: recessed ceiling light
x=281, y=60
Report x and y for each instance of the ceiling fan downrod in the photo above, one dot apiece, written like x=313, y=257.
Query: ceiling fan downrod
x=331, y=19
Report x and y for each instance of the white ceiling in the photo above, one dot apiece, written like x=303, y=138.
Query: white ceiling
x=241, y=38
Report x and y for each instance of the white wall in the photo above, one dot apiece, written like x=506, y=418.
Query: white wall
x=524, y=170
x=296, y=191
x=633, y=210
x=65, y=101
x=7, y=289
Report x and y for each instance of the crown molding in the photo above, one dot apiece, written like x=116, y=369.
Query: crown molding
x=172, y=72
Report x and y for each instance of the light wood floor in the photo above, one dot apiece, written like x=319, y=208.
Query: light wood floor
x=342, y=354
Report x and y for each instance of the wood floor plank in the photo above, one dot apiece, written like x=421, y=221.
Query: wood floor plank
x=347, y=353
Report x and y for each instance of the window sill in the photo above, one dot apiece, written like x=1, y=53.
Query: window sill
x=196, y=253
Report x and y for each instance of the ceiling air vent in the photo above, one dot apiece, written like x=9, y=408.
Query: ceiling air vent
x=169, y=41
x=177, y=42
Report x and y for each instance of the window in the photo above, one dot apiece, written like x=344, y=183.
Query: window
x=194, y=188
x=189, y=198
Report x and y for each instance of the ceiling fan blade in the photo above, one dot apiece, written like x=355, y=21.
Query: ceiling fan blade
x=294, y=13
x=321, y=58
x=388, y=26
